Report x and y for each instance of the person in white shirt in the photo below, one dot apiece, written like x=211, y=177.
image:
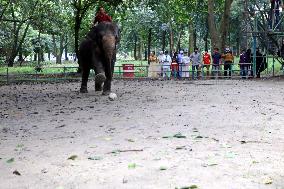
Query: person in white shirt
x=185, y=65
x=166, y=62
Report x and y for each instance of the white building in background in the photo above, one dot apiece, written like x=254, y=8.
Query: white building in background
x=71, y=57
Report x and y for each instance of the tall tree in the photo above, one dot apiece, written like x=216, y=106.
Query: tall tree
x=219, y=29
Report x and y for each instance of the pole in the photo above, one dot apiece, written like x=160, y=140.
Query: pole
x=254, y=47
x=7, y=75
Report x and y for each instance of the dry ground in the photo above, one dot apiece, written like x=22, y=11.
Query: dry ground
x=234, y=136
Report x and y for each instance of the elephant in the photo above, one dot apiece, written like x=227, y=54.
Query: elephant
x=98, y=51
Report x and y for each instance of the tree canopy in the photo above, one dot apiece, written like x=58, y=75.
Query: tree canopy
x=36, y=27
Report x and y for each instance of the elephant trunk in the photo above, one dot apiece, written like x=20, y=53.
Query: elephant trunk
x=108, y=46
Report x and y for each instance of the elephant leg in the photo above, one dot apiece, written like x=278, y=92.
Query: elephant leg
x=100, y=75
x=107, y=83
x=85, y=76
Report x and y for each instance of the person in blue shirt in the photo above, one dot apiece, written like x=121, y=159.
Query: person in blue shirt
x=216, y=60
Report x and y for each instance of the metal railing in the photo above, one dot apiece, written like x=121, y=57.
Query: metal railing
x=174, y=71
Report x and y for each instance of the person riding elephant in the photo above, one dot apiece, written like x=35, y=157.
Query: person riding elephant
x=101, y=16
x=98, y=51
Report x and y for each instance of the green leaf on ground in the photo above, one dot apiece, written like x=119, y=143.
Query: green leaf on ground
x=180, y=147
x=132, y=166
x=195, y=130
x=10, y=160
x=130, y=140
x=188, y=187
x=115, y=152
x=163, y=168
x=95, y=158
x=230, y=155
x=73, y=157
x=167, y=137
x=198, y=137
x=179, y=135
x=20, y=146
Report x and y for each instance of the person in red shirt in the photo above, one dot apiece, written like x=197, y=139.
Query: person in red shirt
x=206, y=62
x=101, y=16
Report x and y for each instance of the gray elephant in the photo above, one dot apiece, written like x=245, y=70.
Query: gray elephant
x=98, y=51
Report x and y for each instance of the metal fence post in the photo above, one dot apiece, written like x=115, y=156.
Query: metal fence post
x=64, y=72
x=7, y=75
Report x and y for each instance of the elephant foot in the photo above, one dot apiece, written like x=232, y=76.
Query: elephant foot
x=83, y=90
x=106, y=92
x=98, y=87
x=100, y=78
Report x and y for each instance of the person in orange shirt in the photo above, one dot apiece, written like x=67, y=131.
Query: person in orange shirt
x=206, y=62
x=229, y=61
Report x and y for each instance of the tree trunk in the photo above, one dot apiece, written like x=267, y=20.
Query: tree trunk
x=212, y=25
x=224, y=28
x=178, y=41
x=206, y=40
x=164, y=40
x=171, y=41
x=76, y=36
x=17, y=41
x=135, y=47
x=216, y=40
x=149, y=43
x=140, y=46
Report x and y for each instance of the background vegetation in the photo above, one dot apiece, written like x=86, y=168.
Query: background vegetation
x=47, y=32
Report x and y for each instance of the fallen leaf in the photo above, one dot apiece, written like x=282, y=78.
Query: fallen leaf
x=179, y=135
x=10, y=160
x=108, y=139
x=180, y=147
x=268, y=181
x=16, y=173
x=95, y=158
x=198, y=137
x=167, y=137
x=19, y=146
x=132, y=166
x=130, y=140
x=188, y=187
x=163, y=168
x=230, y=155
x=73, y=157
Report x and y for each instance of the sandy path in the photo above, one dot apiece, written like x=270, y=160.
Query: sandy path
x=234, y=135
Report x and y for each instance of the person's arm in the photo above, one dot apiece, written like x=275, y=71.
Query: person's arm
x=109, y=18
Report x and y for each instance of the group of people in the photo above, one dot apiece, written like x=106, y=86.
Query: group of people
x=178, y=65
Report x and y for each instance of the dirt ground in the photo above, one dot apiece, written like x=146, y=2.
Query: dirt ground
x=214, y=134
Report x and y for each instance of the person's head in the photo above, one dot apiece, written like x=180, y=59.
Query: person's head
x=206, y=51
x=181, y=52
x=195, y=49
x=101, y=10
x=216, y=49
x=161, y=52
x=166, y=52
